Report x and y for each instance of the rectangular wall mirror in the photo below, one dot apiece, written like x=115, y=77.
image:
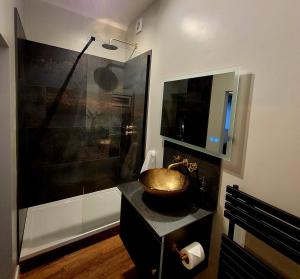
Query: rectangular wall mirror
x=198, y=111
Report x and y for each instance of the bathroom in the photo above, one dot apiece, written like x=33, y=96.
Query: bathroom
x=70, y=195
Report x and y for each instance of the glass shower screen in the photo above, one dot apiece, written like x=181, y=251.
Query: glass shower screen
x=78, y=133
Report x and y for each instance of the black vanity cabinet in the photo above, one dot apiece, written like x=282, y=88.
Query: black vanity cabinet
x=150, y=234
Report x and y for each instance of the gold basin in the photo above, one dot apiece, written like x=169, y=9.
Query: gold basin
x=164, y=182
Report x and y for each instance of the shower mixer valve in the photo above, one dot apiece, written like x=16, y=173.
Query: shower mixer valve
x=130, y=130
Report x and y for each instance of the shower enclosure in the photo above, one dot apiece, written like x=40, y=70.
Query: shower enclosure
x=81, y=132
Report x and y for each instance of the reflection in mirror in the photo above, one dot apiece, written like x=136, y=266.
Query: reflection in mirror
x=198, y=112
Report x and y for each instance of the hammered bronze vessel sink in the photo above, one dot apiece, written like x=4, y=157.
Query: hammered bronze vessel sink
x=164, y=182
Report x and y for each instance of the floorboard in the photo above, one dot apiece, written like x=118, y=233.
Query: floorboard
x=107, y=259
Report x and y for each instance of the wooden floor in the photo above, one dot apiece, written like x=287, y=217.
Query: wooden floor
x=107, y=259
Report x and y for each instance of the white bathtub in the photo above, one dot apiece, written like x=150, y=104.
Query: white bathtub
x=55, y=224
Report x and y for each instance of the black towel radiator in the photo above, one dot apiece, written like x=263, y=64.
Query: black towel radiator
x=275, y=227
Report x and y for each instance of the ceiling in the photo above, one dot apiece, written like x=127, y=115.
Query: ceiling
x=119, y=13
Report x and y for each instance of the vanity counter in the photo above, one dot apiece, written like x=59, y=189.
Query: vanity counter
x=163, y=215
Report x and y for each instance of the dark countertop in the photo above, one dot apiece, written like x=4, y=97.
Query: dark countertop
x=164, y=215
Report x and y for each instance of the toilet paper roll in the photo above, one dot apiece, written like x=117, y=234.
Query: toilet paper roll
x=195, y=254
x=150, y=161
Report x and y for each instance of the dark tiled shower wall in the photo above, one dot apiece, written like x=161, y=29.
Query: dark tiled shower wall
x=79, y=148
x=46, y=148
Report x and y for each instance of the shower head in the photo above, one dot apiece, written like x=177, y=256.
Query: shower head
x=109, y=46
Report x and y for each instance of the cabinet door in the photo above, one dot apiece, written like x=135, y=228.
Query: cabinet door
x=141, y=243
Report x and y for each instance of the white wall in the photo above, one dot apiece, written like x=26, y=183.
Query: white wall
x=52, y=25
x=8, y=205
x=262, y=37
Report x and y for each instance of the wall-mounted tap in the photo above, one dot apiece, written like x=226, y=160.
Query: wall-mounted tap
x=185, y=162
